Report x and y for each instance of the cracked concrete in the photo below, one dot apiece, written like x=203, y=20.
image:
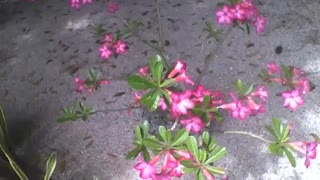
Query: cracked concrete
x=43, y=42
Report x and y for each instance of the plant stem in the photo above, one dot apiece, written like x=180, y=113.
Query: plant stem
x=174, y=125
x=157, y=48
x=161, y=42
x=116, y=110
x=208, y=58
x=249, y=134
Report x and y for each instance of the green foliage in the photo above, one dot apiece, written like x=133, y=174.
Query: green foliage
x=204, y=111
x=4, y=146
x=205, y=153
x=243, y=90
x=76, y=111
x=154, y=83
x=280, y=133
x=212, y=33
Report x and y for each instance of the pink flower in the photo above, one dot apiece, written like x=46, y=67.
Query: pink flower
x=311, y=152
x=254, y=107
x=144, y=71
x=180, y=103
x=177, y=171
x=86, y=1
x=162, y=104
x=108, y=39
x=193, y=124
x=309, y=149
x=200, y=92
x=302, y=85
x=104, y=82
x=183, y=77
x=80, y=85
x=105, y=52
x=237, y=108
x=75, y=3
x=239, y=12
x=260, y=24
x=273, y=68
x=225, y=15
x=178, y=68
x=162, y=177
x=297, y=72
x=240, y=111
x=292, y=99
x=147, y=170
x=120, y=47
x=183, y=155
x=261, y=92
x=208, y=175
x=112, y=7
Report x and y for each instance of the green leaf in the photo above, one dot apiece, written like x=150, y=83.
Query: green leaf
x=51, y=165
x=145, y=128
x=156, y=68
x=218, y=153
x=192, y=146
x=3, y=127
x=138, y=133
x=139, y=82
x=290, y=157
x=133, y=153
x=155, y=99
x=152, y=143
x=276, y=127
x=285, y=134
x=247, y=28
x=271, y=131
x=151, y=99
x=163, y=133
x=239, y=86
x=187, y=170
x=17, y=169
x=206, y=101
x=205, y=137
x=197, y=110
x=199, y=175
x=166, y=96
x=249, y=90
x=215, y=170
x=202, y=155
x=168, y=83
x=181, y=136
x=276, y=149
x=187, y=163
x=146, y=155
x=205, y=118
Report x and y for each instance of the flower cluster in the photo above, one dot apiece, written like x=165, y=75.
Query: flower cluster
x=92, y=83
x=77, y=3
x=251, y=104
x=171, y=166
x=181, y=104
x=240, y=13
x=112, y=45
x=293, y=78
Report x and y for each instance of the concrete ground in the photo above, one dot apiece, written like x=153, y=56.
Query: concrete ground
x=43, y=42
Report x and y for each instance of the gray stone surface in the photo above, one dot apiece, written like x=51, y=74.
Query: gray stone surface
x=36, y=82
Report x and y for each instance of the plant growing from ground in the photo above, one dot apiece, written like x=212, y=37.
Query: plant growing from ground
x=188, y=147
x=7, y=155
